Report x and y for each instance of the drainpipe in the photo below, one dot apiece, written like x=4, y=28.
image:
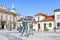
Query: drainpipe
x=38, y=23
x=55, y=25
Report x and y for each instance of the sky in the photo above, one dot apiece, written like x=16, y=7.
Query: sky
x=31, y=7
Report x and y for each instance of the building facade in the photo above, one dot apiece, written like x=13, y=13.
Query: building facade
x=57, y=17
x=7, y=19
x=42, y=21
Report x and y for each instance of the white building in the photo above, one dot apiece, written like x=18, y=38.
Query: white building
x=43, y=21
x=57, y=17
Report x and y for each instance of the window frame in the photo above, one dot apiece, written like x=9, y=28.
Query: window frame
x=50, y=24
x=58, y=17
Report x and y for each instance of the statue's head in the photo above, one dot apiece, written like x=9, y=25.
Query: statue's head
x=24, y=19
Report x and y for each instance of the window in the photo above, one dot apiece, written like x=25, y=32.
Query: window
x=58, y=17
x=6, y=17
x=38, y=18
x=2, y=17
x=14, y=19
x=10, y=18
x=50, y=24
x=58, y=25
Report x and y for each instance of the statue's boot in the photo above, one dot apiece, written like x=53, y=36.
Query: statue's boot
x=21, y=35
x=27, y=35
x=32, y=33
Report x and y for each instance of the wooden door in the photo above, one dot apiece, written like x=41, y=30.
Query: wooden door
x=38, y=26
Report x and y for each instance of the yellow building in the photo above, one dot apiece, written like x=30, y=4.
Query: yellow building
x=7, y=19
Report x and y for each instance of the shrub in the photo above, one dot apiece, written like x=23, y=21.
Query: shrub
x=46, y=29
x=33, y=29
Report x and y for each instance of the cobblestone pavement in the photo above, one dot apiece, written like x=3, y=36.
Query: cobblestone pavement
x=37, y=35
x=43, y=36
x=7, y=36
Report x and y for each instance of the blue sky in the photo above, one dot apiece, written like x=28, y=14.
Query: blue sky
x=31, y=7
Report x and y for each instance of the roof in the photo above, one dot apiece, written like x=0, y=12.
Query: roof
x=2, y=7
x=56, y=10
x=33, y=20
x=29, y=17
x=48, y=18
x=38, y=14
x=6, y=11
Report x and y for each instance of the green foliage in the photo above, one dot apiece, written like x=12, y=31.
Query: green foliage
x=33, y=29
x=46, y=29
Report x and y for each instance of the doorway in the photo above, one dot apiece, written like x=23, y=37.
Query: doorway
x=44, y=25
x=2, y=25
x=38, y=26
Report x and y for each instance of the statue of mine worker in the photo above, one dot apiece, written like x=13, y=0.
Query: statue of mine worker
x=24, y=28
x=31, y=28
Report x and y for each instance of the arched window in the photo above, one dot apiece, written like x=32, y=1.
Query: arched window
x=50, y=24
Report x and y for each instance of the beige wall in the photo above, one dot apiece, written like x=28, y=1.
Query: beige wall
x=47, y=25
x=7, y=15
x=35, y=26
x=40, y=18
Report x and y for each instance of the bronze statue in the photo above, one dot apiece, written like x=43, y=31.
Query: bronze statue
x=24, y=28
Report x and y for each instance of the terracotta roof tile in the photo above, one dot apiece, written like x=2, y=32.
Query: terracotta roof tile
x=49, y=18
x=33, y=20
